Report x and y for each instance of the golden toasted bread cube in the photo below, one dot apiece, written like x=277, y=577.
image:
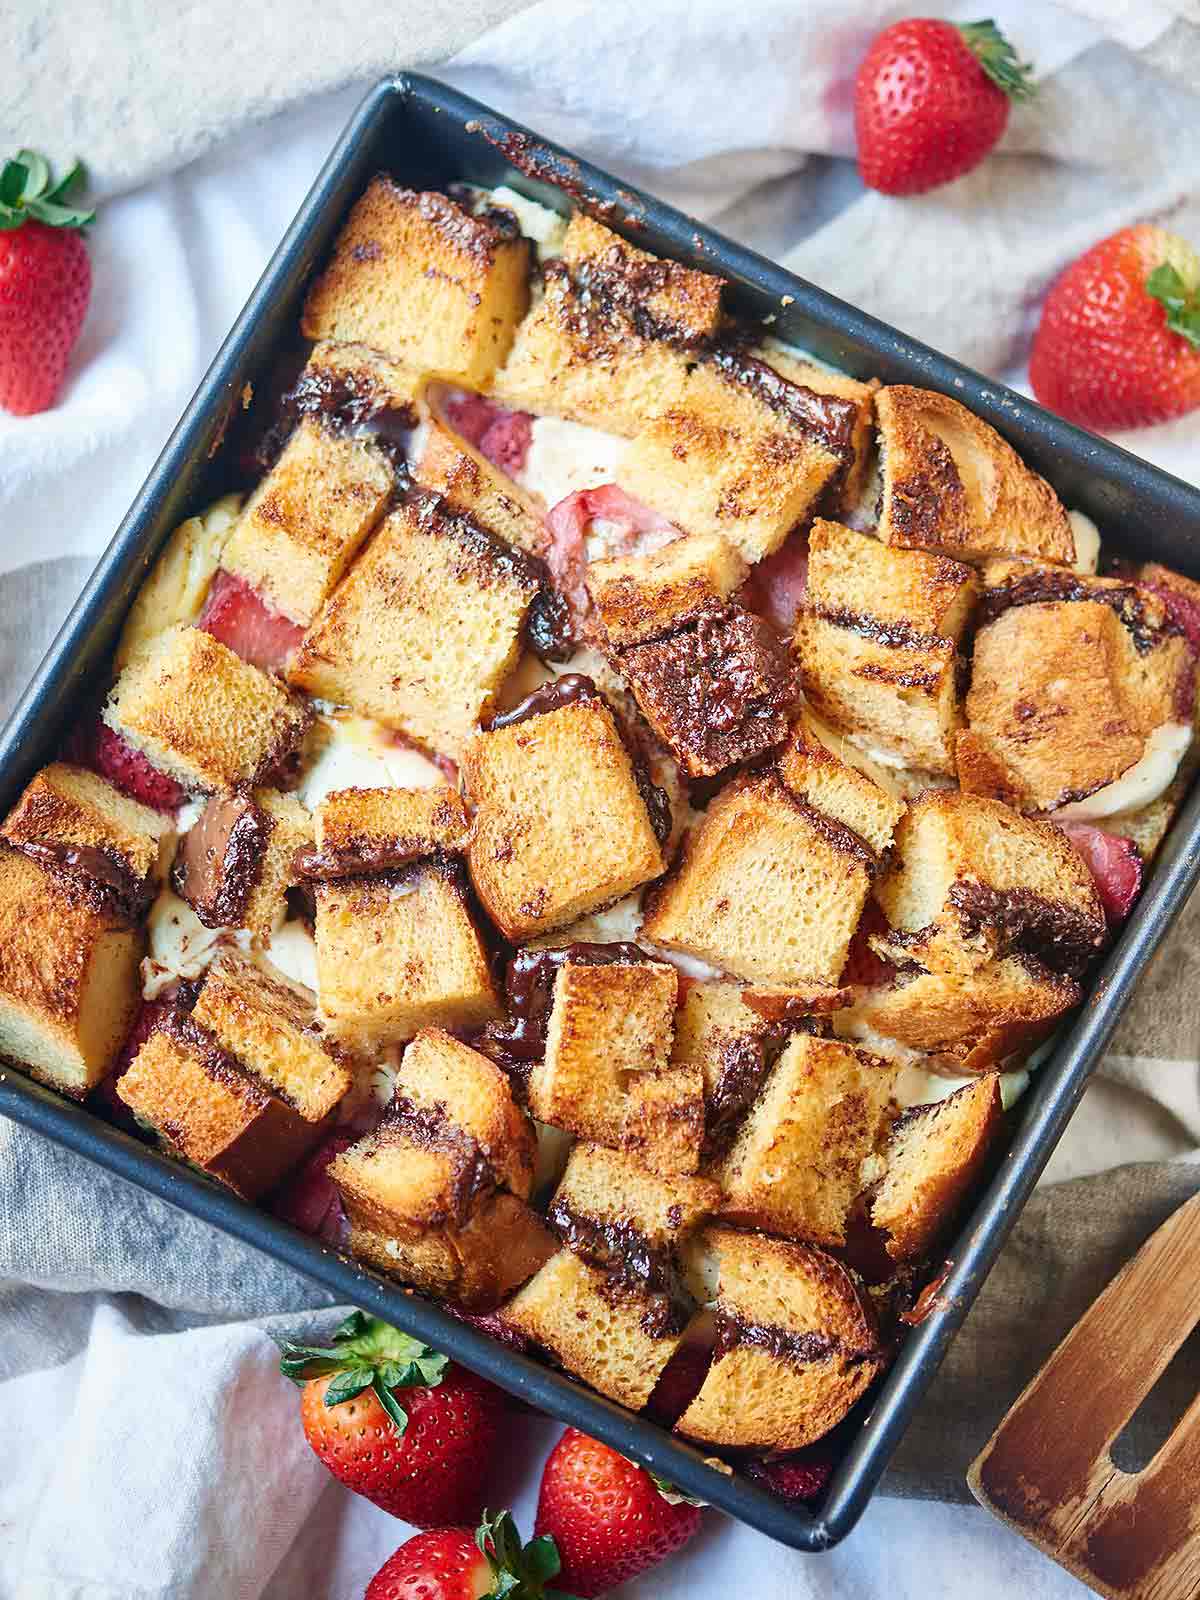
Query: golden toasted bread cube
x=360, y=828
x=176, y=587
x=416, y=1210
x=459, y=1092
x=560, y=825
x=971, y=1021
x=291, y=831
x=972, y=880
x=400, y=952
x=797, y=1164
x=607, y=343
x=209, y=1110
x=934, y=1156
x=203, y=715
x=424, y=629
x=270, y=1025
x=419, y=278
x=69, y=986
x=813, y=773
x=951, y=483
x=878, y=643
x=236, y=863
x=69, y=807
x=664, y=1119
x=1063, y=699
x=473, y=488
x=618, y=1214
x=716, y=693
x=719, y=1036
x=723, y=460
x=767, y=887
x=305, y=521
x=609, y=1339
x=797, y=1346
x=646, y=596
x=861, y=395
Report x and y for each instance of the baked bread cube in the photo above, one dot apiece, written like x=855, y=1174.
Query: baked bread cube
x=73, y=818
x=364, y=831
x=423, y=1205
x=934, y=1156
x=644, y=597
x=203, y=715
x=877, y=642
x=973, y=881
x=799, y=1161
x=719, y=1036
x=811, y=771
x=209, y=1110
x=1065, y=693
x=302, y=526
x=605, y=1074
x=951, y=483
x=473, y=488
x=236, y=863
x=739, y=458
x=717, y=692
x=849, y=488
x=451, y=1091
x=69, y=986
x=767, y=887
x=971, y=1022
x=607, y=344
x=269, y=1025
x=353, y=388
x=561, y=827
x=797, y=1345
x=618, y=1339
x=400, y=951
x=424, y=629
x=419, y=278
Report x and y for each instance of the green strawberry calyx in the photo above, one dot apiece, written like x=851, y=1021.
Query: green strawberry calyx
x=674, y=1496
x=1175, y=283
x=998, y=59
x=519, y=1572
x=366, y=1353
x=30, y=192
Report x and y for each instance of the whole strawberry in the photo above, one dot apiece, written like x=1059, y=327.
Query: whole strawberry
x=1118, y=344
x=455, y=1564
x=930, y=100
x=397, y=1422
x=45, y=281
x=608, y=1518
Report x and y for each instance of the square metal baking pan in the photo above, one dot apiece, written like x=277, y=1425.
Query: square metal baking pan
x=427, y=136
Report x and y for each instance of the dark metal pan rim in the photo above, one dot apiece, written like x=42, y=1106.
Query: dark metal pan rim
x=432, y=133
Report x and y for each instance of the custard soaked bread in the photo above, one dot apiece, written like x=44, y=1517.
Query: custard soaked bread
x=848, y=488
x=878, y=643
x=473, y=488
x=72, y=816
x=972, y=881
x=415, y=276
x=609, y=341
x=797, y=1345
x=644, y=597
x=363, y=830
x=236, y=863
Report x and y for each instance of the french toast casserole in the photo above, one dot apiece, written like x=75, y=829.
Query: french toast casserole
x=599, y=823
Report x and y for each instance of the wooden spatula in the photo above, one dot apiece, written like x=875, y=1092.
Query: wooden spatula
x=1047, y=1471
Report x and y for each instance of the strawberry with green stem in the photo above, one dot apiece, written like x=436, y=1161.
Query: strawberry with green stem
x=45, y=280
x=395, y=1421
x=454, y=1564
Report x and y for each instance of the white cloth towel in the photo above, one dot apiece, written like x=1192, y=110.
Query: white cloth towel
x=154, y=1452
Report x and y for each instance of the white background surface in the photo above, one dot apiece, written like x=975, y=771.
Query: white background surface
x=173, y=1465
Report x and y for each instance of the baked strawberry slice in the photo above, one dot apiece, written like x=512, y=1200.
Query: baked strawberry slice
x=1115, y=863
x=95, y=745
x=800, y=1476
x=309, y=1200
x=863, y=966
x=627, y=523
x=501, y=435
x=775, y=587
x=237, y=615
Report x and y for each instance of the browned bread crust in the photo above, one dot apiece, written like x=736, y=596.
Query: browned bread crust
x=934, y=1156
x=560, y=824
x=797, y=1345
x=848, y=489
x=357, y=829
x=419, y=278
x=473, y=488
x=645, y=597
x=951, y=483
x=66, y=806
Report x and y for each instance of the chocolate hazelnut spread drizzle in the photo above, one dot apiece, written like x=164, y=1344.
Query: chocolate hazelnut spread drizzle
x=220, y=859
x=1062, y=938
x=366, y=859
x=431, y=1127
x=1127, y=601
x=825, y=418
x=614, y=285
x=783, y=1343
x=896, y=635
x=128, y=896
x=183, y=1028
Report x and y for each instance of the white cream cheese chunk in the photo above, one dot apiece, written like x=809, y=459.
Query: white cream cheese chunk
x=1141, y=784
x=1087, y=543
x=537, y=222
x=293, y=951
x=179, y=945
x=565, y=457
x=349, y=752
